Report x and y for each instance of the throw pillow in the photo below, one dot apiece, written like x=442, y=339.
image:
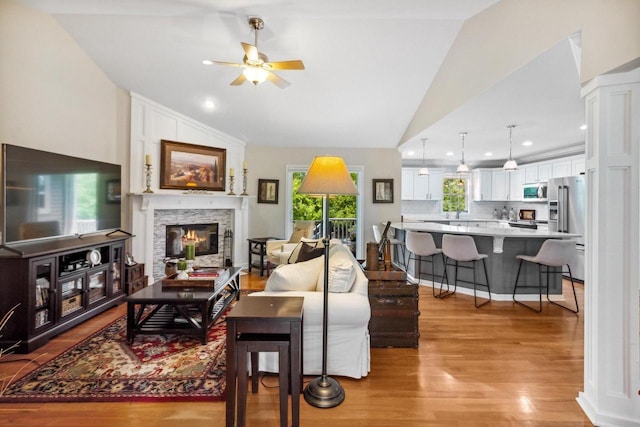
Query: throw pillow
x=308, y=252
x=294, y=254
x=341, y=277
x=302, y=276
x=339, y=255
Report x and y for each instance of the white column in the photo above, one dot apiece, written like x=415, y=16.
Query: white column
x=612, y=262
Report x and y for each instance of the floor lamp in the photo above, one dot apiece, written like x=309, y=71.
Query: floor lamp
x=327, y=176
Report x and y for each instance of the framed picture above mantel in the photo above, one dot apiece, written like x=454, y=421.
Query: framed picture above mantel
x=186, y=166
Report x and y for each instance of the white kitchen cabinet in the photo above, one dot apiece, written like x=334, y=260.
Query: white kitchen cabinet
x=530, y=173
x=436, y=179
x=515, y=185
x=561, y=169
x=539, y=172
x=544, y=172
x=406, y=192
x=500, y=186
x=421, y=187
x=482, y=187
x=577, y=166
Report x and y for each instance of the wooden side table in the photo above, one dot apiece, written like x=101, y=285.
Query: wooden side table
x=394, y=309
x=135, y=278
x=270, y=321
x=258, y=246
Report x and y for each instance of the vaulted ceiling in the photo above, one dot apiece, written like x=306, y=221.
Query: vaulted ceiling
x=368, y=65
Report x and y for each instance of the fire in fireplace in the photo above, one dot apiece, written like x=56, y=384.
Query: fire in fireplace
x=205, y=237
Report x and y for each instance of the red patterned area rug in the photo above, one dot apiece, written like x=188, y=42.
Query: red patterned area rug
x=106, y=368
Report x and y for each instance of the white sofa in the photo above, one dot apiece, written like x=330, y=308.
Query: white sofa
x=348, y=315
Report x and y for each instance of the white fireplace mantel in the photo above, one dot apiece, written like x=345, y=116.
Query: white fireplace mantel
x=143, y=210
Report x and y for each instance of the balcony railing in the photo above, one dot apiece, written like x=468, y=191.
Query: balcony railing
x=340, y=228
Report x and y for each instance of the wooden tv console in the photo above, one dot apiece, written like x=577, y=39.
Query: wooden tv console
x=56, y=284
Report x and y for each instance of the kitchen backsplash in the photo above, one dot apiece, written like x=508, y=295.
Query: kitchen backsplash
x=478, y=210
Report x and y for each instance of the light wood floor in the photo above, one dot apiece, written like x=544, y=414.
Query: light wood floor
x=500, y=365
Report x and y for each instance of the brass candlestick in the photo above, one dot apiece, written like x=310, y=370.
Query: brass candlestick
x=244, y=183
x=231, y=193
x=147, y=173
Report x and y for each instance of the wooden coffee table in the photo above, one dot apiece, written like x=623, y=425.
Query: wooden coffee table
x=180, y=311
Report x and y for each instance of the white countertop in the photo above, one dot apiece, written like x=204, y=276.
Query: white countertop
x=437, y=218
x=498, y=233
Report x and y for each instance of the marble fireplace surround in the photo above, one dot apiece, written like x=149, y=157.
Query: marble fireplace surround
x=151, y=212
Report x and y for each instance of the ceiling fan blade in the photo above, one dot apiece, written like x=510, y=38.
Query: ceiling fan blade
x=233, y=64
x=280, y=82
x=286, y=65
x=237, y=82
x=251, y=51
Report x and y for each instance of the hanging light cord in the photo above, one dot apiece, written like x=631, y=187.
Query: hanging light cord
x=423, y=141
x=510, y=143
x=463, y=134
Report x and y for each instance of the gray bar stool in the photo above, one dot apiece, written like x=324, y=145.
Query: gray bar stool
x=553, y=255
x=420, y=245
x=463, y=249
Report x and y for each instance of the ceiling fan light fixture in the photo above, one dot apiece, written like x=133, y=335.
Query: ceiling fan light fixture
x=423, y=170
x=510, y=165
x=255, y=75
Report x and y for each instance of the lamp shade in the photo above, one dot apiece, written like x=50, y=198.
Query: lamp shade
x=328, y=175
x=462, y=168
x=423, y=171
x=510, y=165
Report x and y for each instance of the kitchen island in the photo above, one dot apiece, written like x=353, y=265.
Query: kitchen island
x=501, y=245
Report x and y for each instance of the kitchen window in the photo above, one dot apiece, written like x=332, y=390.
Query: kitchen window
x=455, y=194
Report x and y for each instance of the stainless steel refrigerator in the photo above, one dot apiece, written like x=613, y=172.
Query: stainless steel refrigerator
x=566, y=202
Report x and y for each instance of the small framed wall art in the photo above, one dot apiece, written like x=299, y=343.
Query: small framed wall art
x=383, y=191
x=268, y=191
x=189, y=167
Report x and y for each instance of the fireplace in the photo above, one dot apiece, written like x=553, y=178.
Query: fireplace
x=205, y=237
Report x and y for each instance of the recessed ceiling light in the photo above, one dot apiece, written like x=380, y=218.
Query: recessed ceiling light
x=527, y=143
x=410, y=153
x=583, y=127
x=207, y=62
x=449, y=153
x=488, y=154
x=209, y=105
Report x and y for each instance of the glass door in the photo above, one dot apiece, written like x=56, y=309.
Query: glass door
x=97, y=284
x=117, y=264
x=42, y=274
x=344, y=211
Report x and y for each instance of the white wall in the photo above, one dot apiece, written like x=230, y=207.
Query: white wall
x=269, y=163
x=53, y=97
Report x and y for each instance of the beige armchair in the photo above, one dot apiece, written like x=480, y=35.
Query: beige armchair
x=279, y=251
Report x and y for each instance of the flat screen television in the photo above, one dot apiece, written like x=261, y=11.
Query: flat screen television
x=47, y=195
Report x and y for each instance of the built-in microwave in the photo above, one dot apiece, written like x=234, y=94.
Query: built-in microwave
x=534, y=192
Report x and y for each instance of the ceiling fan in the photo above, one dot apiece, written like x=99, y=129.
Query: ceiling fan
x=256, y=65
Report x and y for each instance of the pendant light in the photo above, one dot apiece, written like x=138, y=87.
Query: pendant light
x=462, y=167
x=510, y=165
x=423, y=170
